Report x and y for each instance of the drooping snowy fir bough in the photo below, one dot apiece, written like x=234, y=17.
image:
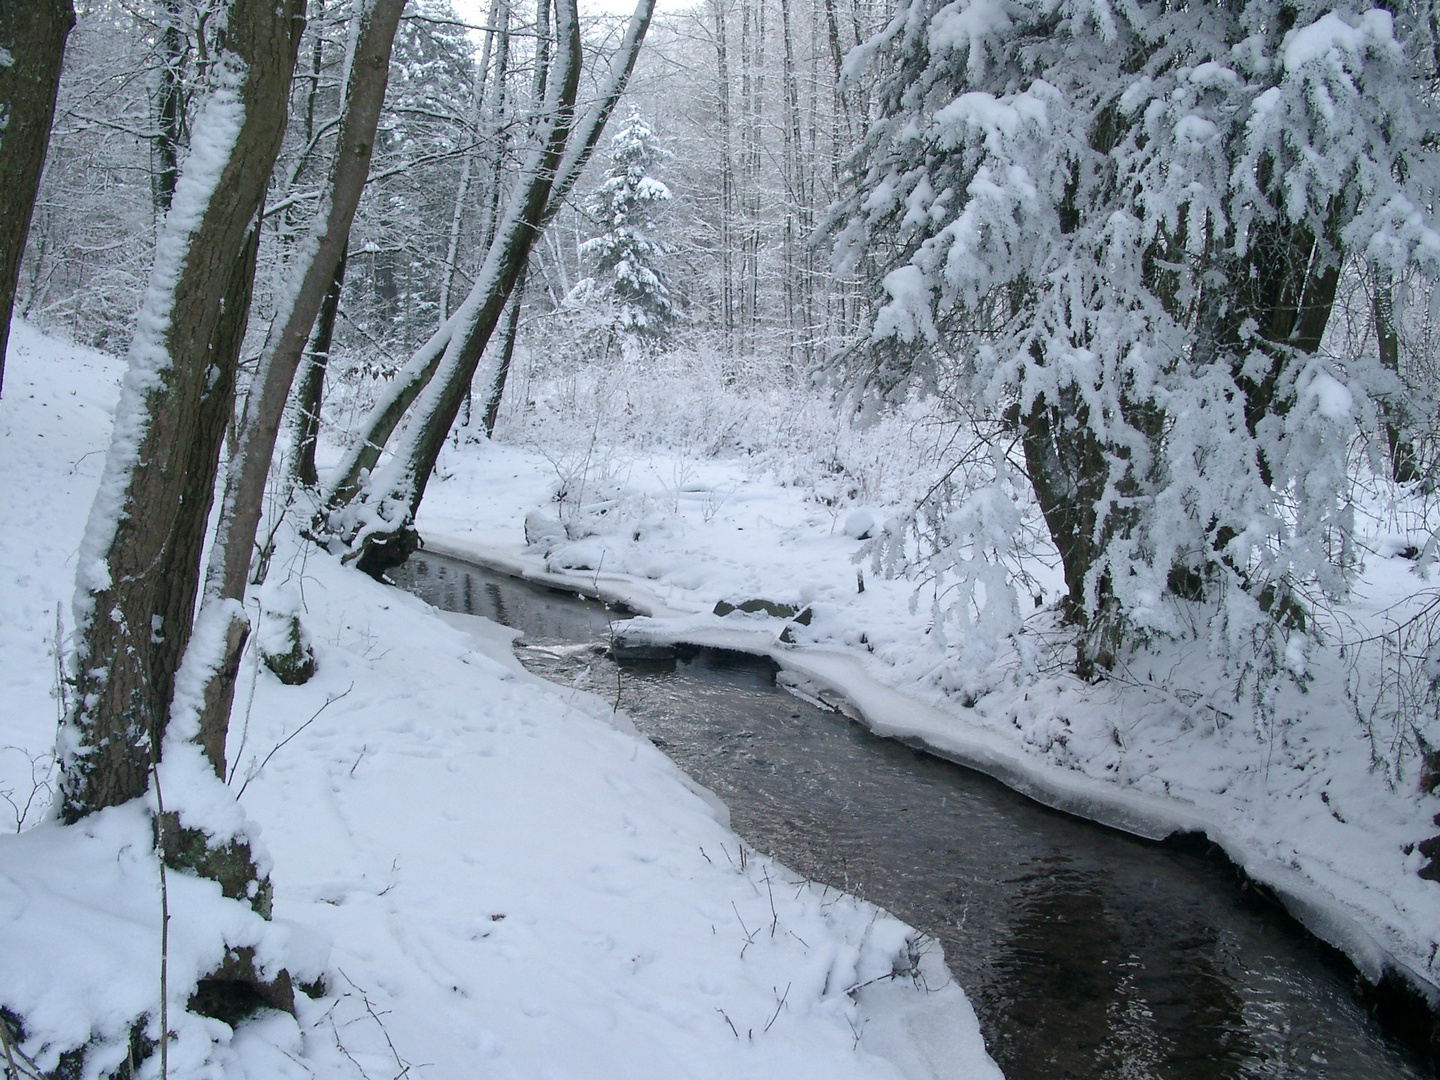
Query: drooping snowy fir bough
x=1116, y=232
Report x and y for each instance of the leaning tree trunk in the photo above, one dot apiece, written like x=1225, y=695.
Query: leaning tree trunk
x=230, y=556
x=495, y=391
x=139, y=562
x=309, y=395
x=32, y=46
x=377, y=535
x=349, y=478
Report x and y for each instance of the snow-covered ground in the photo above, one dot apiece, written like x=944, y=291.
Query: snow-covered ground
x=495, y=876
x=1295, y=797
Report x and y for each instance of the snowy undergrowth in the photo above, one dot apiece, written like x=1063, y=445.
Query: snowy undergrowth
x=489, y=875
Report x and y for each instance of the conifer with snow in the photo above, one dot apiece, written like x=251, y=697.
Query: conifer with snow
x=1121, y=228
x=628, y=255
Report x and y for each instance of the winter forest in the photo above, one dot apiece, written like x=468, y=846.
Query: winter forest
x=462, y=458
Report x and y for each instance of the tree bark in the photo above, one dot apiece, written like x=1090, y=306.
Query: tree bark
x=140, y=560
x=169, y=107
x=259, y=425
x=311, y=392
x=32, y=48
x=1404, y=466
x=496, y=390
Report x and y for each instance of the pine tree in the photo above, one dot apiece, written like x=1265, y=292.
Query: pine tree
x=628, y=255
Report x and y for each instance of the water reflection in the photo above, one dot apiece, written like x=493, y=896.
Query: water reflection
x=1086, y=953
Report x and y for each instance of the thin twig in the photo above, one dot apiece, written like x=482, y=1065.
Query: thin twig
x=297, y=731
x=728, y=1021
x=779, y=1006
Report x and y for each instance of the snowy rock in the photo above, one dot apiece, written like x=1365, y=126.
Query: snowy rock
x=859, y=524
x=542, y=526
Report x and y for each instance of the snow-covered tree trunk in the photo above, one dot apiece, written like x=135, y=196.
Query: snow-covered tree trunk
x=311, y=275
x=401, y=484
x=310, y=393
x=349, y=484
x=139, y=562
x=32, y=46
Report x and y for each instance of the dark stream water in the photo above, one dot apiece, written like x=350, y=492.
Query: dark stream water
x=1085, y=952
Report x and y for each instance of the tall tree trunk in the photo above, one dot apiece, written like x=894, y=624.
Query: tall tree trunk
x=169, y=106
x=310, y=394
x=462, y=188
x=140, y=559
x=259, y=425
x=377, y=537
x=415, y=376
x=496, y=390
x=727, y=177
x=32, y=47
x=1403, y=464
x=498, y=134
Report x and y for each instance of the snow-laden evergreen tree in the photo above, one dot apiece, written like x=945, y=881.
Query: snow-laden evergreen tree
x=1119, y=227
x=628, y=254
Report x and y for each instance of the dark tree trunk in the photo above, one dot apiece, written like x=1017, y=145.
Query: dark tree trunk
x=496, y=390
x=141, y=559
x=310, y=394
x=32, y=46
x=1403, y=464
x=169, y=107
x=260, y=424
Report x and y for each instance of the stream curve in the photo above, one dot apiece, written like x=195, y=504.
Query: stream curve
x=1085, y=952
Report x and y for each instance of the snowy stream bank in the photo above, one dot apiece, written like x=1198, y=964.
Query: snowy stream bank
x=495, y=877
x=1300, y=809
x=843, y=680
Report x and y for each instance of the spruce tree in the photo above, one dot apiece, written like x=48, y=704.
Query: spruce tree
x=628, y=254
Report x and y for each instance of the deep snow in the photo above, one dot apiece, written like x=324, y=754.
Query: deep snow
x=495, y=876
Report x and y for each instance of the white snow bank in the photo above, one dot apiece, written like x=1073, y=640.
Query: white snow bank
x=496, y=876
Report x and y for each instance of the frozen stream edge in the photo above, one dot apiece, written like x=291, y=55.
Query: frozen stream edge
x=1375, y=950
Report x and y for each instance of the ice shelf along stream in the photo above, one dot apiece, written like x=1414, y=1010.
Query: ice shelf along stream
x=1085, y=952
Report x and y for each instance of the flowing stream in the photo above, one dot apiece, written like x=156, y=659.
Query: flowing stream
x=1086, y=952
